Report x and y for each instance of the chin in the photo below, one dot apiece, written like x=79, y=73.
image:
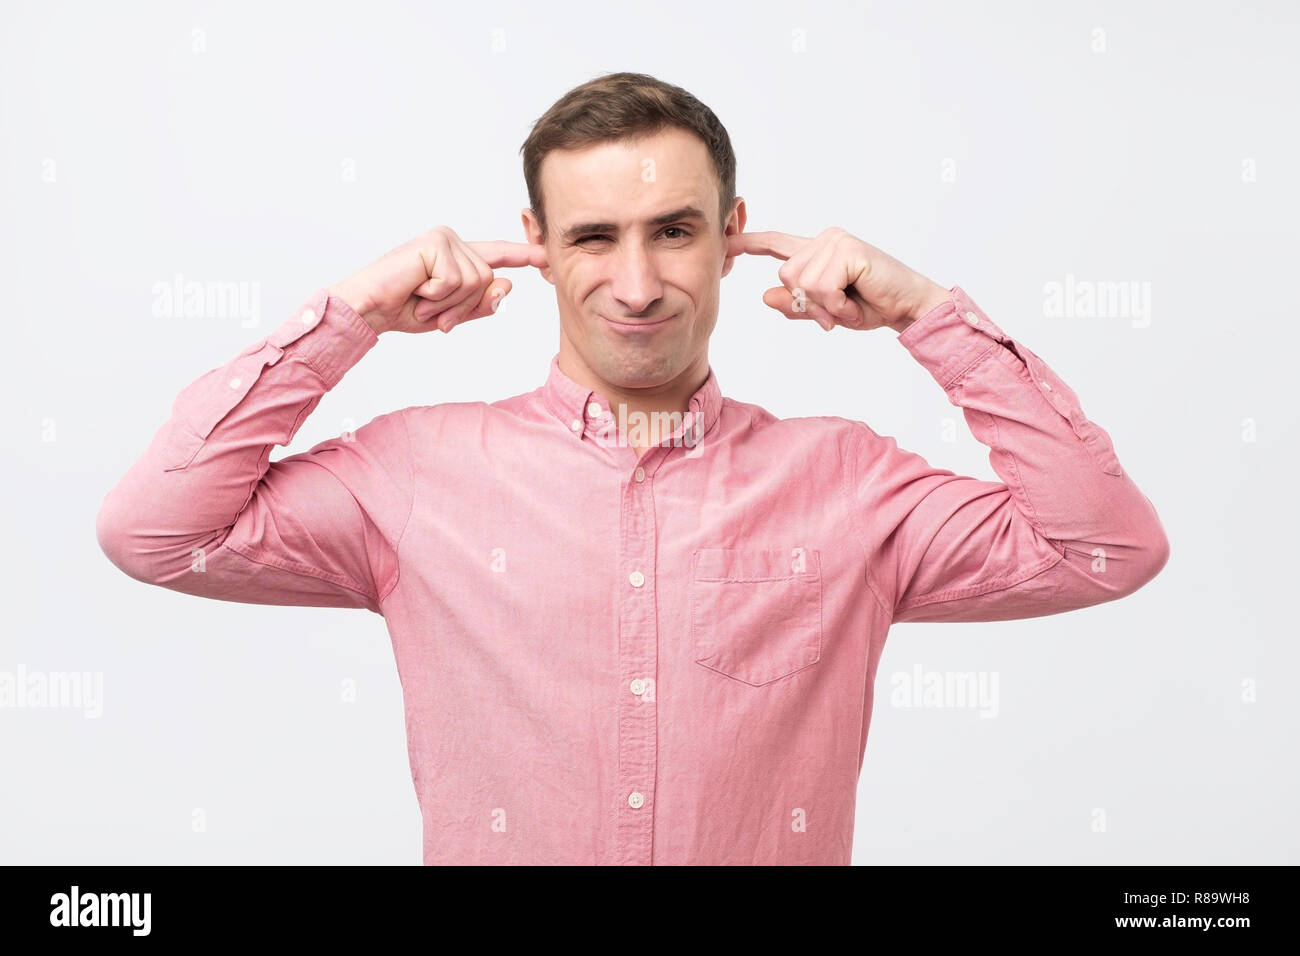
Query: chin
x=639, y=370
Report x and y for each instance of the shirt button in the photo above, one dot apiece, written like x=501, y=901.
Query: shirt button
x=576, y=424
x=639, y=474
x=972, y=318
x=309, y=317
x=593, y=409
x=234, y=383
x=637, y=686
x=1047, y=385
x=635, y=799
x=637, y=579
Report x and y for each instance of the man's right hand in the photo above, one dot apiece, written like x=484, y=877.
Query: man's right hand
x=435, y=280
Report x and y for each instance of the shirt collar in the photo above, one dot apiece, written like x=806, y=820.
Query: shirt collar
x=583, y=410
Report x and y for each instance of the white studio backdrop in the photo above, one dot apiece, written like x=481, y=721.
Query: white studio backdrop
x=1019, y=150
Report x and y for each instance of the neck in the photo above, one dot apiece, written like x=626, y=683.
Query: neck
x=645, y=416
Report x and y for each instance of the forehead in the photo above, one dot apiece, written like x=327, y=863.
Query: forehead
x=629, y=179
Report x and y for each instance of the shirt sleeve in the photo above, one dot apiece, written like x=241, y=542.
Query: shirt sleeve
x=204, y=510
x=1065, y=528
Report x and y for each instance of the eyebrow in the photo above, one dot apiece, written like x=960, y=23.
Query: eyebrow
x=583, y=228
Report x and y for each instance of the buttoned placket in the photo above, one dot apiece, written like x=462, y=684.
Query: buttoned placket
x=638, y=630
x=638, y=620
x=638, y=655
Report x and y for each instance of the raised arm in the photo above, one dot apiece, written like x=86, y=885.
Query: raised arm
x=1065, y=527
x=205, y=511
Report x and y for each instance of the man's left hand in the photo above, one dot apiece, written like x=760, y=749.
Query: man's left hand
x=837, y=279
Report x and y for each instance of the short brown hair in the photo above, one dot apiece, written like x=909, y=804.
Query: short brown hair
x=621, y=106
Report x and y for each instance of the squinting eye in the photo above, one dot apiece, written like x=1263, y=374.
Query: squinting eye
x=685, y=234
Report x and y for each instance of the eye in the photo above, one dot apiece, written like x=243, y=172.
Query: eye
x=685, y=234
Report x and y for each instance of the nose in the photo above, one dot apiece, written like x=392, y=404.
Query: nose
x=635, y=281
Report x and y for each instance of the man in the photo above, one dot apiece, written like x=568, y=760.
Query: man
x=635, y=621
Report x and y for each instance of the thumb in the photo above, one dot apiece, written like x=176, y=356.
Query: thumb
x=778, y=298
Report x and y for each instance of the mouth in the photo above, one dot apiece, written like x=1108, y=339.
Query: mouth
x=640, y=327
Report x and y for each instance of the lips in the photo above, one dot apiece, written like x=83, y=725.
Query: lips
x=639, y=324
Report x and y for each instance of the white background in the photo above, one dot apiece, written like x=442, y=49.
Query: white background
x=996, y=146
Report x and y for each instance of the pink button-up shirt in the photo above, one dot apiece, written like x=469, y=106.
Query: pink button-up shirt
x=607, y=660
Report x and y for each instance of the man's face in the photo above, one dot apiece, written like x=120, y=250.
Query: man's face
x=636, y=255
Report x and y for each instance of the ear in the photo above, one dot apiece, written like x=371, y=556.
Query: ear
x=533, y=235
x=735, y=225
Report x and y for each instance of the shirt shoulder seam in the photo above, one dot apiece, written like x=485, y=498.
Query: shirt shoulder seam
x=410, y=505
x=846, y=489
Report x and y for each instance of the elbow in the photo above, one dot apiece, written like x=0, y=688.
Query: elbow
x=152, y=556
x=1157, y=546
x=132, y=551
x=1149, y=561
x=115, y=540
x=1147, y=547
x=1159, y=554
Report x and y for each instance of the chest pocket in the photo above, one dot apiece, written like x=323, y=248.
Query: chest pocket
x=756, y=616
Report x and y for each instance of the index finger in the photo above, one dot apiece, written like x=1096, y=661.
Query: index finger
x=782, y=245
x=498, y=253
